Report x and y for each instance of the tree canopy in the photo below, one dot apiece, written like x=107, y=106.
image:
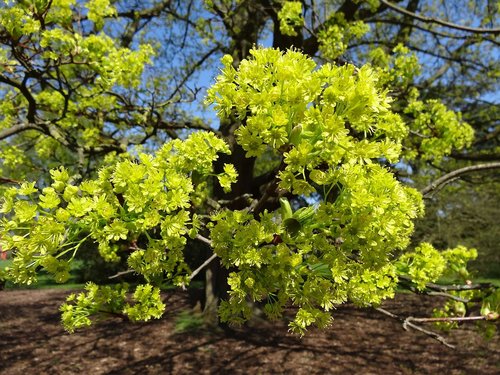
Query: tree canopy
x=331, y=116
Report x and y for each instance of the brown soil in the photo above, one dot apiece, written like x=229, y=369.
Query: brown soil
x=32, y=341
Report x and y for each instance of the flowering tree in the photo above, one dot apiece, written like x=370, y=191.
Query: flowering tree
x=296, y=195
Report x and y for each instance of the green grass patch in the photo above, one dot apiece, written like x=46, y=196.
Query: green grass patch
x=188, y=321
x=45, y=281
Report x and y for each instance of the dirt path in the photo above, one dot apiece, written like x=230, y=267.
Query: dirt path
x=32, y=341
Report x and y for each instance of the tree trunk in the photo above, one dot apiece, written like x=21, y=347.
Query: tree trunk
x=244, y=27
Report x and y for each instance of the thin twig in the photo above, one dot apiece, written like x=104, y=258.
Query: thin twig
x=228, y=202
x=419, y=134
x=445, y=319
x=446, y=288
x=204, y=264
x=204, y=239
x=121, y=274
x=4, y=180
x=193, y=274
x=450, y=296
x=408, y=324
x=443, y=180
x=439, y=21
x=432, y=334
x=388, y=313
x=18, y=128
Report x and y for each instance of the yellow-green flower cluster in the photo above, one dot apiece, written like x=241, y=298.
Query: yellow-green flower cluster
x=331, y=125
x=290, y=17
x=139, y=208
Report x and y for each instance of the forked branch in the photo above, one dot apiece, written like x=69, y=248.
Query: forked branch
x=408, y=324
x=205, y=263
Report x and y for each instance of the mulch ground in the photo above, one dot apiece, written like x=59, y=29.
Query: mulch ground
x=32, y=341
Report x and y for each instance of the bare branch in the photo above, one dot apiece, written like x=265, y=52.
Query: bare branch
x=448, y=295
x=453, y=287
x=439, y=21
x=443, y=180
x=458, y=288
x=192, y=70
x=432, y=334
x=406, y=27
x=4, y=180
x=446, y=319
x=162, y=124
x=408, y=324
x=193, y=274
x=428, y=30
x=121, y=274
x=13, y=130
x=205, y=263
x=204, y=239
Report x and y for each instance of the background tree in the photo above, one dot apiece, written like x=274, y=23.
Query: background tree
x=465, y=213
x=292, y=188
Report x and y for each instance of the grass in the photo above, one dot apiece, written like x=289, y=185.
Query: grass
x=188, y=321
x=45, y=281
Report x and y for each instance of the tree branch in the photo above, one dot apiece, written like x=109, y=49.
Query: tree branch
x=4, y=180
x=204, y=239
x=433, y=292
x=26, y=93
x=192, y=70
x=6, y=133
x=118, y=274
x=348, y=9
x=193, y=274
x=447, y=288
x=408, y=324
x=448, y=295
x=406, y=27
x=446, y=319
x=257, y=205
x=440, y=33
x=205, y=263
x=439, y=21
x=443, y=180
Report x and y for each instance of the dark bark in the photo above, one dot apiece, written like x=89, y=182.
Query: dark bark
x=407, y=26
x=244, y=28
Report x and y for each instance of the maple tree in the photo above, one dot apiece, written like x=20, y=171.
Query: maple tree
x=298, y=195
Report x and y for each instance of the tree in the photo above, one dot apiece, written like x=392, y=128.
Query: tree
x=465, y=213
x=299, y=194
